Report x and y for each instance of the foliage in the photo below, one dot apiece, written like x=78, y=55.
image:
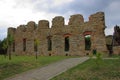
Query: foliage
x=98, y=59
x=3, y=46
x=10, y=40
x=36, y=43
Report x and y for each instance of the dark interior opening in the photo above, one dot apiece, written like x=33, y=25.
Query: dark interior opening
x=49, y=44
x=87, y=42
x=66, y=43
x=24, y=44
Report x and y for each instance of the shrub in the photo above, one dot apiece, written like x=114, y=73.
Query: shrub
x=98, y=59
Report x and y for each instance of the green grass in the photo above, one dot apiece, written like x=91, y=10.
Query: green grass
x=114, y=56
x=89, y=70
x=19, y=64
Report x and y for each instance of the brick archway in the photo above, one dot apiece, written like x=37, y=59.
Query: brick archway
x=67, y=35
x=67, y=44
x=87, y=33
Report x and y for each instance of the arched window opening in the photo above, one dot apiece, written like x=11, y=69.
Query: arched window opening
x=87, y=42
x=67, y=43
x=49, y=43
x=24, y=44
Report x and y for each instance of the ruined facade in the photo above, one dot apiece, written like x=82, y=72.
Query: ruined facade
x=116, y=36
x=116, y=40
x=76, y=38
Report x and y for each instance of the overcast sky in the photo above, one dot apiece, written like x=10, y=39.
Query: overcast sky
x=16, y=12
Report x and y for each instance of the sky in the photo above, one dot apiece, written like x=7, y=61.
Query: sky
x=16, y=12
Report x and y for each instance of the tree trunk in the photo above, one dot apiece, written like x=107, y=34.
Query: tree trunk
x=36, y=55
x=9, y=52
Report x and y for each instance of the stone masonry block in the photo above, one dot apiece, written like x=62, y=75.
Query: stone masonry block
x=43, y=24
x=58, y=22
x=76, y=19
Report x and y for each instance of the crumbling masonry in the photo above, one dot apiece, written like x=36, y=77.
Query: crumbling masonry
x=76, y=38
x=116, y=40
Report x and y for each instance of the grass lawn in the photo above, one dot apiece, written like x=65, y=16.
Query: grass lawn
x=89, y=70
x=19, y=64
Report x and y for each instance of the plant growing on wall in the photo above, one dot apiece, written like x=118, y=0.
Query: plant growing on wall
x=36, y=43
x=10, y=40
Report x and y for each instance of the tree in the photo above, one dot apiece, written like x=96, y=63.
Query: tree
x=10, y=40
x=98, y=60
x=4, y=46
x=36, y=43
x=1, y=47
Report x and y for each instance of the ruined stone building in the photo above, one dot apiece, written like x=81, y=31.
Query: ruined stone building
x=76, y=38
x=116, y=40
x=116, y=36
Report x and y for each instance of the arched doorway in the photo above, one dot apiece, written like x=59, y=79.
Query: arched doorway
x=87, y=37
x=66, y=42
x=49, y=40
x=87, y=42
x=24, y=44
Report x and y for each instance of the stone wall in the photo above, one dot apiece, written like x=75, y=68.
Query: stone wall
x=58, y=32
x=58, y=22
x=116, y=50
x=76, y=20
x=116, y=36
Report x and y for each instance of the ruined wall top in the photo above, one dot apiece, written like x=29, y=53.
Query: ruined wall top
x=21, y=28
x=11, y=30
x=76, y=19
x=116, y=35
x=99, y=16
x=43, y=24
x=31, y=26
x=58, y=22
x=117, y=29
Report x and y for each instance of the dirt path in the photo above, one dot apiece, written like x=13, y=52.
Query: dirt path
x=48, y=72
